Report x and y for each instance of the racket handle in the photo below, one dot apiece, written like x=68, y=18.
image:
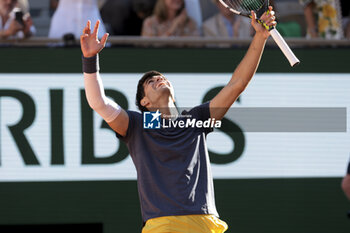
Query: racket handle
x=293, y=60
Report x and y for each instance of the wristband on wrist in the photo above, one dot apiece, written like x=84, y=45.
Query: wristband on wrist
x=91, y=64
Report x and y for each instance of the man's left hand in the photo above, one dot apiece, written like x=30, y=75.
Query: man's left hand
x=268, y=18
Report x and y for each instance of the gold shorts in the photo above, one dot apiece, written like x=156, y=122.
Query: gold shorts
x=202, y=223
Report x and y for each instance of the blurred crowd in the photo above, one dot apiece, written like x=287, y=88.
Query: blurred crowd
x=167, y=18
x=327, y=18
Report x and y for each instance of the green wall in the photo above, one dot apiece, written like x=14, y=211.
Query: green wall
x=248, y=205
x=132, y=60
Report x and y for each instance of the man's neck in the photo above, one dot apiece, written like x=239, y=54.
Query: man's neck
x=167, y=108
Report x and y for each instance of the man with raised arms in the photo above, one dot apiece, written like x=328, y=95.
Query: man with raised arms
x=174, y=177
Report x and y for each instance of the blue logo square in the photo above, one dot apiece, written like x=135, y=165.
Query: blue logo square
x=151, y=120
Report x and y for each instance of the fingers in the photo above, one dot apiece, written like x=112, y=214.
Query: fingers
x=95, y=32
x=104, y=39
x=253, y=15
x=16, y=26
x=26, y=16
x=270, y=8
x=270, y=21
x=87, y=28
x=269, y=17
x=28, y=20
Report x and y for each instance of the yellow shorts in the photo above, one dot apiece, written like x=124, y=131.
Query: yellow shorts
x=202, y=223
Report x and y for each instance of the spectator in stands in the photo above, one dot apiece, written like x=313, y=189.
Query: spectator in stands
x=114, y=14
x=345, y=8
x=125, y=17
x=327, y=24
x=347, y=30
x=13, y=23
x=53, y=6
x=226, y=24
x=70, y=18
x=194, y=11
x=23, y=5
x=169, y=19
x=346, y=183
x=141, y=9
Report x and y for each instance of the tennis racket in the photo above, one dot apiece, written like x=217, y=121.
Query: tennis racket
x=244, y=8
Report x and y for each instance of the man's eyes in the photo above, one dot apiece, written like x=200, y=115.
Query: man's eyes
x=151, y=80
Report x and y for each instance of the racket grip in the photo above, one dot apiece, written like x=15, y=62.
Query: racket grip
x=293, y=60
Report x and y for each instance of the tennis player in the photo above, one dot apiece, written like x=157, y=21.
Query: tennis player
x=175, y=183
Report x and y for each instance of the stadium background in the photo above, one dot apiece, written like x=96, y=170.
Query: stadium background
x=286, y=205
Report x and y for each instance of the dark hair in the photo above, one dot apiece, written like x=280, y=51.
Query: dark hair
x=140, y=89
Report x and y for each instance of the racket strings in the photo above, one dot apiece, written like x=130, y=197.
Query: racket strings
x=245, y=6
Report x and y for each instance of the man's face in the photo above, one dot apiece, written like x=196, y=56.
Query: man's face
x=6, y=6
x=157, y=87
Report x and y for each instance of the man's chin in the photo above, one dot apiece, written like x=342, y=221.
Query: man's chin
x=162, y=87
x=164, y=90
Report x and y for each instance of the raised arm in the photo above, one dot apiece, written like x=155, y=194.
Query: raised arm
x=244, y=72
x=110, y=111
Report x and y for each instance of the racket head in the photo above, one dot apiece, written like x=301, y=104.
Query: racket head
x=244, y=7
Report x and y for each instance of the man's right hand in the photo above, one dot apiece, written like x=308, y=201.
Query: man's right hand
x=90, y=45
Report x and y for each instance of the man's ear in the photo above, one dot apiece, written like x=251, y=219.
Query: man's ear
x=144, y=101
